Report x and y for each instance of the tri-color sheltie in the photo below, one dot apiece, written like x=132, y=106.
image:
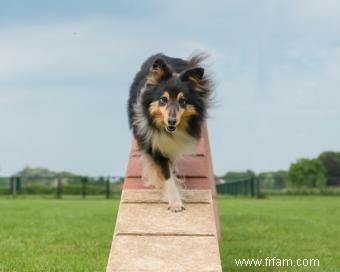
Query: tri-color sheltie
x=167, y=105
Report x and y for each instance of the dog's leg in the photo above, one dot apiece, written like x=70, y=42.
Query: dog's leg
x=152, y=172
x=171, y=190
x=159, y=173
x=174, y=198
x=179, y=180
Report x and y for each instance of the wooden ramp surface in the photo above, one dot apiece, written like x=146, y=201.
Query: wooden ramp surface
x=148, y=237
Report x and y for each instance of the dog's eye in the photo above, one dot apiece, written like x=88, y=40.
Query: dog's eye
x=182, y=102
x=163, y=100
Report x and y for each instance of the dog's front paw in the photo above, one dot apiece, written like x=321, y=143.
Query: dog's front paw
x=176, y=207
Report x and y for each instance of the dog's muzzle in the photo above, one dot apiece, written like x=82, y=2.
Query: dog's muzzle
x=171, y=127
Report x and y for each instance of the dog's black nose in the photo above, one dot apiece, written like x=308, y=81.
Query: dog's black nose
x=172, y=121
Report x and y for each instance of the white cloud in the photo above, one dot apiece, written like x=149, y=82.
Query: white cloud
x=97, y=47
x=276, y=65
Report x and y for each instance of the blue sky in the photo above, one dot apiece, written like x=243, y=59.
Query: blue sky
x=66, y=67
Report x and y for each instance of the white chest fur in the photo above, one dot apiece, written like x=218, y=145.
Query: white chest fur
x=173, y=145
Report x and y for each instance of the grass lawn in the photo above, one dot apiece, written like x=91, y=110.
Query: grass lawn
x=55, y=235
x=305, y=227
x=75, y=234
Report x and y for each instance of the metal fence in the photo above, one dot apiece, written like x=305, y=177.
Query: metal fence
x=59, y=186
x=249, y=186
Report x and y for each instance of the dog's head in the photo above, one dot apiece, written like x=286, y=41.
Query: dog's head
x=173, y=99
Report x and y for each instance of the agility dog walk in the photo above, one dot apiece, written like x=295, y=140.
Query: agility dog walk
x=148, y=237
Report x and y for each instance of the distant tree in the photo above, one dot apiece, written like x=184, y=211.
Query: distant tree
x=266, y=179
x=274, y=180
x=281, y=179
x=307, y=172
x=331, y=162
x=101, y=180
x=38, y=173
x=35, y=173
x=235, y=176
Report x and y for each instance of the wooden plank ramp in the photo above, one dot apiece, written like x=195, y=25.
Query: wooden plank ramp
x=148, y=237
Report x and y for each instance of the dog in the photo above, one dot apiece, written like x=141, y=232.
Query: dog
x=168, y=102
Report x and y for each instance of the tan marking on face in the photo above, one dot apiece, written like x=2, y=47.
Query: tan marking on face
x=166, y=94
x=188, y=112
x=180, y=111
x=165, y=109
x=160, y=114
x=156, y=113
x=179, y=95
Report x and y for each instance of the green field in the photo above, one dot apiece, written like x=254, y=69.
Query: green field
x=305, y=227
x=55, y=235
x=75, y=234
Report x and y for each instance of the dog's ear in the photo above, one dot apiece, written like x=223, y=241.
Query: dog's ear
x=195, y=75
x=158, y=71
x=199, y=83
